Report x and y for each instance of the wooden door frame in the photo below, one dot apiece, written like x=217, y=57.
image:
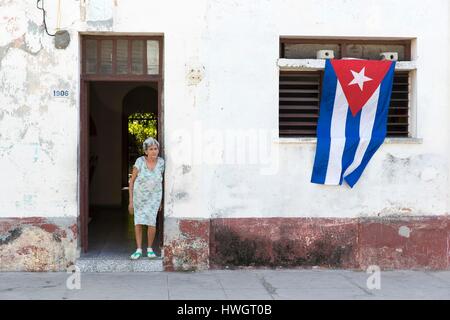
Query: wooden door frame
x=85, y=81
x=84, y=164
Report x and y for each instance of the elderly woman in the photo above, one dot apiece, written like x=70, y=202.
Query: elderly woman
x=145, y=189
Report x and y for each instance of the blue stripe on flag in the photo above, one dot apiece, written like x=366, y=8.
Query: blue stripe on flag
x=324, y=125
x=379, y=127
x=351, y=140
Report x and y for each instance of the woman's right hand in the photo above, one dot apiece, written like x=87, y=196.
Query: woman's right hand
x=130, y=208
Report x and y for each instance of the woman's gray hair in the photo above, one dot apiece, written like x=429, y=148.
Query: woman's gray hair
x=150, y=142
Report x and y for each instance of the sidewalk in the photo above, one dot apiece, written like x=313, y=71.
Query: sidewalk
x=225, y=284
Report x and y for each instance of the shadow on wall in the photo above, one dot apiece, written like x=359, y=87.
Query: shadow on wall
x=231, y=249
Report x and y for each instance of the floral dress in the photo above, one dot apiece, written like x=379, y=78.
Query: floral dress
x=147, y=191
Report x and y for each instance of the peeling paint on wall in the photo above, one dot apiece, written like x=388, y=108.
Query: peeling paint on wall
x=390, y=242
x=404, y=231
x=37, y=244
x=186, y=244
x=186, y=168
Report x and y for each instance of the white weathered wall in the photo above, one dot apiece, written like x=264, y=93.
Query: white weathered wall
x=38, y=133
x=448, y=116
x=242, y=81
x=220, y=73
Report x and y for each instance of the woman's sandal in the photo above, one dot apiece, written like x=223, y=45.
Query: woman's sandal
x=151, y=254
x=136, y=255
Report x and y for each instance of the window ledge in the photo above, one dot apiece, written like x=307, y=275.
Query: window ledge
x=314, y=140
x=319, y=64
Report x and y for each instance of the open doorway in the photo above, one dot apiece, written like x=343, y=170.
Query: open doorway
x=121, y=89
x=121, y=116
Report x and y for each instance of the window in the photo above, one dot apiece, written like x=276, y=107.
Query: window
x=127, y=57
x=300, y=91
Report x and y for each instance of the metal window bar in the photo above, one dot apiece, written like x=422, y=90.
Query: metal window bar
x=299, y=102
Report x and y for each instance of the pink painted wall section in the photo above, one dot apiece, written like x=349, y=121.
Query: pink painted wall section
x=390, y=243
x=37, y=244
x=186, y=244
x=284, y=242
x=40, y=244
x=405, y=243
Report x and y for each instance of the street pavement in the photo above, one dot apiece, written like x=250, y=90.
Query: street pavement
x=255, y=284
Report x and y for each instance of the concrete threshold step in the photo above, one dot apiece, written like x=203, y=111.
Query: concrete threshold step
x=120, y=263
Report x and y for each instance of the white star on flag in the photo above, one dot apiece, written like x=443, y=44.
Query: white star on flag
x=359, y=78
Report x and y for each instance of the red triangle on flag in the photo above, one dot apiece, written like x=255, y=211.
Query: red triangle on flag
x=359, y=79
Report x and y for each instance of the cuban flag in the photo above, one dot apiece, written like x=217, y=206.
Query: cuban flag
x=352, y=121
